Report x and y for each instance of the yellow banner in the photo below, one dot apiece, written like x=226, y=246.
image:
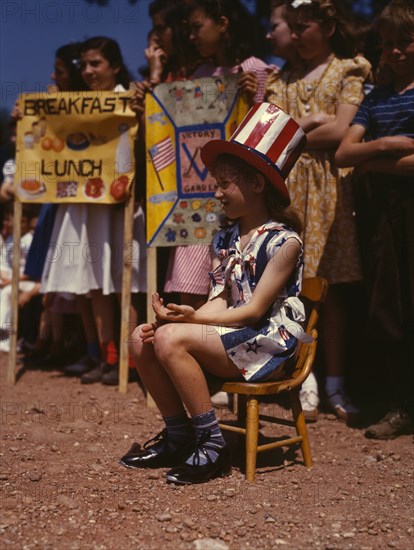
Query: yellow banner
x=75, y=147
x=180, y=118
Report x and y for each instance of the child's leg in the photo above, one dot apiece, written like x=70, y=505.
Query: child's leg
x=183, y=350
x=92, y=360
x=171, y=370
x=84, y=305
x=154, y=377
x=5, y=317
x=333, y=335
x=171, y=367
x=103, y=310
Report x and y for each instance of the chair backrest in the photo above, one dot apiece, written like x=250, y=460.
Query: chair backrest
x=314, y=289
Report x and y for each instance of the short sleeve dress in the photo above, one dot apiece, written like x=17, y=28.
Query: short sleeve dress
x=258, y=351
x=320, y=191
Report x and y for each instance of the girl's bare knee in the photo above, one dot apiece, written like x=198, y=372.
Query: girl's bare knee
x=167, y=340
x=135, y=342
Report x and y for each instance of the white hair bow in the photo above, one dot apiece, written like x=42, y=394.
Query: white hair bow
x=298, y=3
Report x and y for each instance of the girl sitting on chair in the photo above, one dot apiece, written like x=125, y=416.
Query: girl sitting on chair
x=251, y=322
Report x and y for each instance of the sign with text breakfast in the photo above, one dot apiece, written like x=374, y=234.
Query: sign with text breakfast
x=180, y=118
x=75, y=147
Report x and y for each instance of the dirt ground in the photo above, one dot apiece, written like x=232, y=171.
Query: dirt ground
x=62, y=486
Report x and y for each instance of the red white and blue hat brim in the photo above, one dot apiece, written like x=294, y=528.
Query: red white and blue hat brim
x=216, y=147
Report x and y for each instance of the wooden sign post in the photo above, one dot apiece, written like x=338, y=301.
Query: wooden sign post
x=126, y=291
x=17, y=219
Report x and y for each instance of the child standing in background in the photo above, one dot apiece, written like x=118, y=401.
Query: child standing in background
x=380, y=143
x=27, y=288
x=281, y=43
x=323, y=94
x=225, y=35
x=100, y=226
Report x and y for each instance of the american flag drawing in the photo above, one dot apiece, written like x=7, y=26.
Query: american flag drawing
x=162, y=154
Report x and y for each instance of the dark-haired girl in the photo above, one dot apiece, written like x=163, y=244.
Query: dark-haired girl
x=94, y=264
x=227, y=38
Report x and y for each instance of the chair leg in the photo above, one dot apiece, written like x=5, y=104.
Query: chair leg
x=252, y=436
x=300, y=425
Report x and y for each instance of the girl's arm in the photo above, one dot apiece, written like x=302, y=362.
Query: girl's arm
x=248, y=84
x=137, y=102
x=6, y=191
x=274, y=278
x=403, y=166
x=329, y=135
x=353, y=151
x=25, y=296
x=310, y=122
x=156, y=60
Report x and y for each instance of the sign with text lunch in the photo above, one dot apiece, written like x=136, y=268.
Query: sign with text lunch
x=75, y=147
x=180, y=118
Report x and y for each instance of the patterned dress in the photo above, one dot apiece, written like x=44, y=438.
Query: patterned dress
x=321, y=192
x=258, y=350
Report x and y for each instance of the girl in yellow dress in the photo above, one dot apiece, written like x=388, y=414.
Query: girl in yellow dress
x=323, y=92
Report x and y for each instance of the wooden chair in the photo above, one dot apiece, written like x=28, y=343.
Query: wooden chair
x=314, y=290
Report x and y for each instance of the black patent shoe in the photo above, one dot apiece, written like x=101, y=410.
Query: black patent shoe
x=188, y=474
x=156, y=455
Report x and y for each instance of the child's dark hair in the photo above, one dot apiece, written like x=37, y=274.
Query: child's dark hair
x=277, y=211
x=367, y=40
x=111, y=51
x=69, y=54
x=398, y=16
x=245, y=33
x=328, y=12
x=174, y=16
x=277, y=4
x=31, y=211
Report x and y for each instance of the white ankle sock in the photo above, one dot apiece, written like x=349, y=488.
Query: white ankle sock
x=308, y=394
x=310, y=384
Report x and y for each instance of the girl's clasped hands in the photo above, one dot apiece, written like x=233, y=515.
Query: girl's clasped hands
x=165, y=314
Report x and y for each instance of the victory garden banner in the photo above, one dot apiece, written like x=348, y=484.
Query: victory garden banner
x=180, y=118
x=75, y=147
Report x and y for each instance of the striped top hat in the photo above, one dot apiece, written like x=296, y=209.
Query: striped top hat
x=268, y=139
